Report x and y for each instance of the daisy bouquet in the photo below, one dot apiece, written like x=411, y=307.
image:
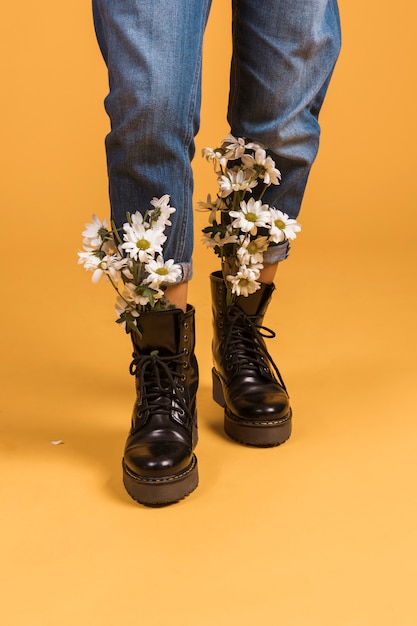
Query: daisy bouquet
x=241, y=228
x=131, y=259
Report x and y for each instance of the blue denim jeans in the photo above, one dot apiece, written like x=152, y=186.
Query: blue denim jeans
x=284, y=52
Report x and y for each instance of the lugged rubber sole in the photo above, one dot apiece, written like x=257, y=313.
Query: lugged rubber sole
x=262, y=434
x=161, y=491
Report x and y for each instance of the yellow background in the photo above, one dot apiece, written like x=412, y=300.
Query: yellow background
x=321, y=531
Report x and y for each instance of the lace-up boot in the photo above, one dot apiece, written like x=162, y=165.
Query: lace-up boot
x=159, y=466
x=246, y=381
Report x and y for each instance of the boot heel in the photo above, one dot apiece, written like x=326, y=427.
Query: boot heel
x=218, y=395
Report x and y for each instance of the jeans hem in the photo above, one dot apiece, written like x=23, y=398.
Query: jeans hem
x=277, y=253
x=186, y=272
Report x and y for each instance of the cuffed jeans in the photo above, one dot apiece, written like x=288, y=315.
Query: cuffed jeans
x=284, y=52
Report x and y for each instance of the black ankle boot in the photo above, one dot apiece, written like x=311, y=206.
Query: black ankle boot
x=159, y=466
x=246, y=381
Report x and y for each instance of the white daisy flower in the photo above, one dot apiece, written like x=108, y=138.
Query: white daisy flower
x=252, y=215
x=162, y=272
x=209, y=205
x=110, y=266
x=94, y=233
x=161, y=213
x=115, y=266
x=88, y=259
x=142, y=243
x=251, y=250
x=132, y=297
x=245, y=281
x=236, y=146
x=136, y=219
x=211, y=241
x=121, y=306
x=217, y=157
x=235, y=180
x=263, y=165
x=282, y=227
x=127, y=270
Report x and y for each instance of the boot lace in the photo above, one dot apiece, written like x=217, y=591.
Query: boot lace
x=160, y=386
x=245, y=347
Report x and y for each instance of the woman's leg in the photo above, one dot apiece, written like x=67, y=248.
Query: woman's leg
x=284, y=52
x=152, y=49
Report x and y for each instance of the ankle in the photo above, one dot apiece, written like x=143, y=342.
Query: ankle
x=267, y=274
x=178, y=295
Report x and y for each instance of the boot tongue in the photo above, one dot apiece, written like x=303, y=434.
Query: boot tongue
x=256, y=303
x=160, y=331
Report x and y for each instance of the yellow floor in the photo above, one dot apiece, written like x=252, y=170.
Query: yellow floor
x=321, y=531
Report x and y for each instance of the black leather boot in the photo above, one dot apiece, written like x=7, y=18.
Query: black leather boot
x=159, y=466
x=246, y=381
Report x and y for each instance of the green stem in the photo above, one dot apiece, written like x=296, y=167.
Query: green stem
x=236, y=200
x=113, y=284
x=115, y=232
x=263, y=191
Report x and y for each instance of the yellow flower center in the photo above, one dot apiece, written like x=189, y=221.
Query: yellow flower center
x=251, y=217
x=162, y=271
x=252, y=247
x=143, y=244
x=280, y=224
x=259, y=169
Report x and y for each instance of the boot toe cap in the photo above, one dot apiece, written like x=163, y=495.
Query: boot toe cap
x=264, y=404
x=158, y=459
